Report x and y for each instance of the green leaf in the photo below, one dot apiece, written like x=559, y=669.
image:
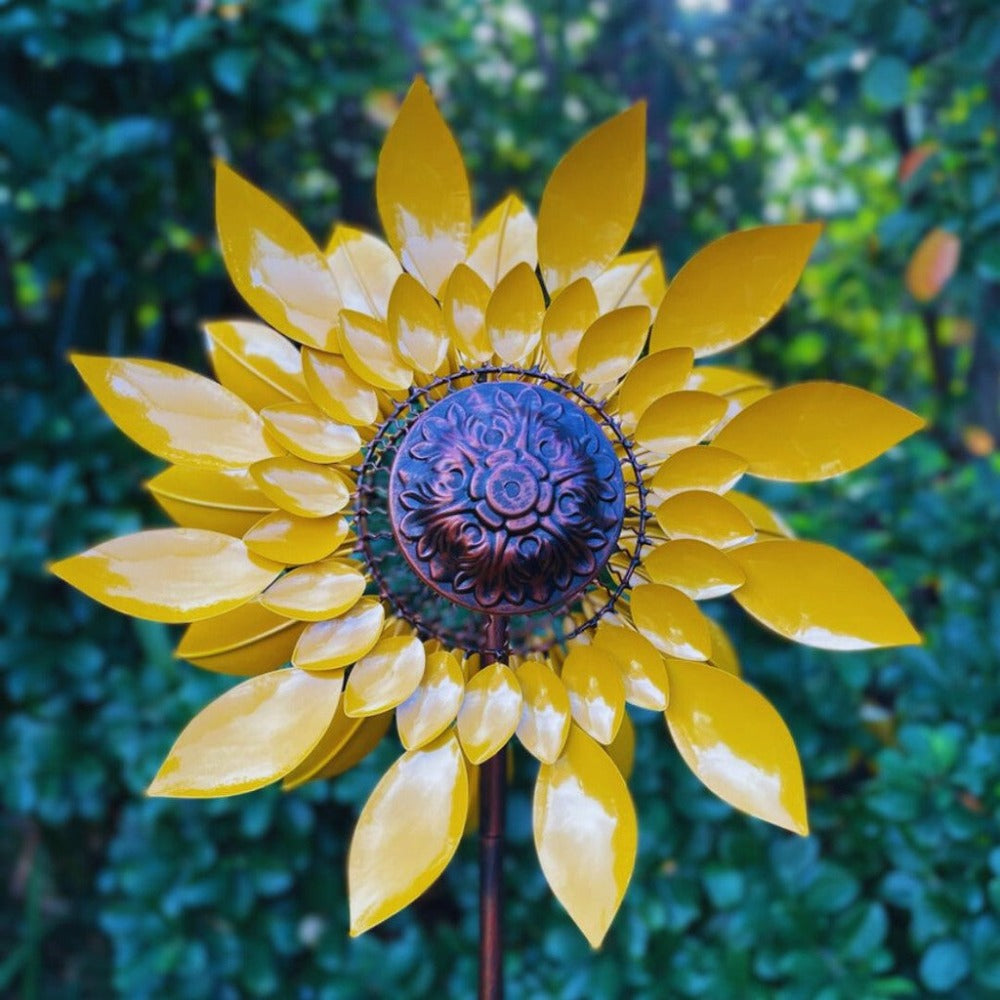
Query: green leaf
x=944, y=965
x=885, y=81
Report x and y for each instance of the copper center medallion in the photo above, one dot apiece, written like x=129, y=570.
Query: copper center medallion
x=506, y=497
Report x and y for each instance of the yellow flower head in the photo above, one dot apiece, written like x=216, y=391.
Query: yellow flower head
x=467, y=419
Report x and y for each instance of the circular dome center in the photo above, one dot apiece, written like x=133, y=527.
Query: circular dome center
x=506, y=497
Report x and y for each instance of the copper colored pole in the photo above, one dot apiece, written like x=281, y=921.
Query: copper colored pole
x=492, y=794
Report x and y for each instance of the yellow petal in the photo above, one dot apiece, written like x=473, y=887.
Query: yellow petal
x=612, y=344
x=301, y=487
x=308, y=433
x=466, y=297
x=815, y=430
x=621, y=750
x=407, y=832
x=724, y=654
x=652, y=378
x=259, y=365
x=273, y=262
x=364, y=268
x=728, y=290
x=369, y=351
x=490, y=712
x=570, y=315
x=585, y=833
x=679, y=420
x=345, y=742
x=416, y=326
x=671, y=621
x=706, y=517
x=820, y=597
x=695, y=568
x=423, y=191
x=434, y=704
x=932, y=264
x=293, y=540
x=252, y=735
x=313, y=593
x=736, y=744
x=514, y=315
x=760, y=515
x=385, y=677
x=216, y=500
x=341, y=641
x=507, y=237
x=634, y=279
x=591, y=200
x=642, y=667
x=593, y=679
x=720, y=380
x=176, y=414
x=337, y=391
x=545, y=712
x=699, y=468
x=245, y=641
x=169, y=575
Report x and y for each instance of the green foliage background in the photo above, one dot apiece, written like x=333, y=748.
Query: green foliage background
x=760, y=110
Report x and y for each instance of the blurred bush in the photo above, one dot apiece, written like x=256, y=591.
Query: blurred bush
x=880, y=116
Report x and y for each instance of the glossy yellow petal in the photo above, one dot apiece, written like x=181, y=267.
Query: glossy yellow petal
x=252, y=735
x=724, y=654
x=760, y=515
x=416, y=326
x=612, y=344
x=176, y=414
x=591, y=200
x=368, y=350
x=225, y=500
x=293, y=540
x=652, y=378
x=364, y=268
x=466, y=297
x=301, y=487
x=695, y=568
x=245, y=641
x=169, y=575
x=423, y=192
x=506, y=237
x=514, y=315
x=341, y=641
x=490, y=712
x=633, y=279
x=434, y=704
x=712, y=469
x=407, y=832
x=337, y=391
x=728, y=290
x=261, y=366
x=679, y=420
x=386, y=676
x=642, y=667
x=585, y=833
x=705, y=517
x=736, y=743
x=345, y=743
x=720, y=380
x=571, y=313
x=815, y=430
x=671, y=621
x=545, y=711
x=316, y=592
x=820, y=597
x=273, y=262
x=305, y=431
x=593, y=679
x=622, y=748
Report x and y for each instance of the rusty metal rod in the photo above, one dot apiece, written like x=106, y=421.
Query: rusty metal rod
x=492, y=808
